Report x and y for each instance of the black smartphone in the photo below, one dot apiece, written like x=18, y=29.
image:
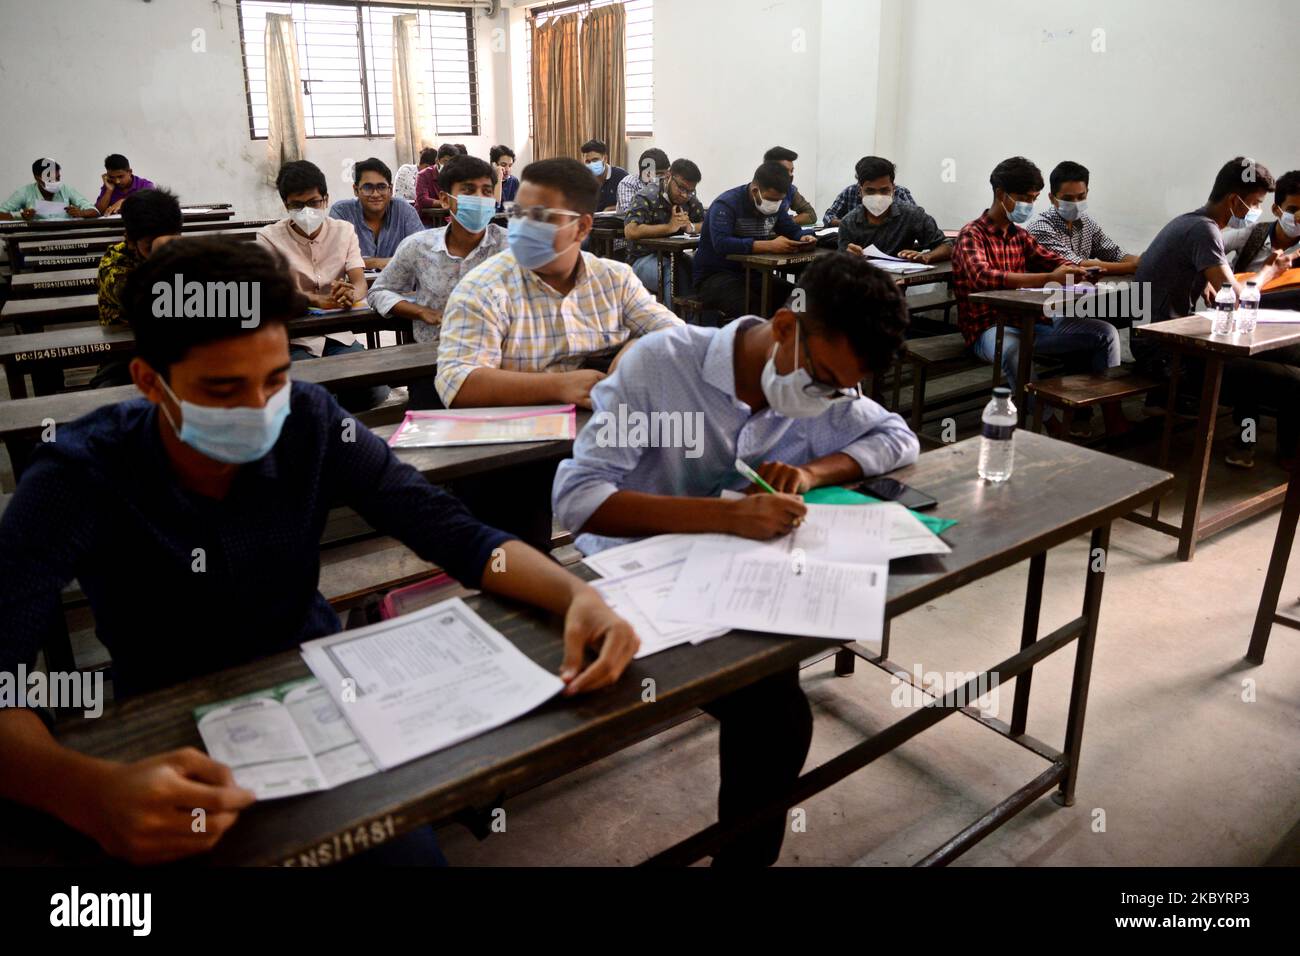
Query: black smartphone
x=887, y=489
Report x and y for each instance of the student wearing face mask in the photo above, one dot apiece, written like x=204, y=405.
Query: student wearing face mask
x=1185, y=264
x=801, y=210
x=897, y=229
x=784, y=396
x=428, y=184
x=421, y=276
x=224, y=453
x=747, y=219
x=1066, y=228
x=1252, y=246
x=380, y=223
x=669, y=208
x=596, y=155
x=47, y=187
x=324, y=257
x=995, y=252
x=526, y=327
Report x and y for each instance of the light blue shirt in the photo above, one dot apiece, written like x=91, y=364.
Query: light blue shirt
x=688, y=375
x=400, y=221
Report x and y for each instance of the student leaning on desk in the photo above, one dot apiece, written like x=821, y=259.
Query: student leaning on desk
x=42, y=198
x=227, y=461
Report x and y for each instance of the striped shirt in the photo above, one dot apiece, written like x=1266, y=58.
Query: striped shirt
x=1085, y=241
x=504, y=316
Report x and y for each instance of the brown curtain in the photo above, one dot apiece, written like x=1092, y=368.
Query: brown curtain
x=286, y=134
x=411, y=131
x=557, y=104
x=603, y=79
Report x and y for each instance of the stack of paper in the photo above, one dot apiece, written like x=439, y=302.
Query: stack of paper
x=486, y=426
x=894, y=264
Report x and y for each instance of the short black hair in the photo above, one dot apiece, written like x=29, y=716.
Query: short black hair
x=163, y=341
x=1067, y=172
x=428, y=156
x=43, y=164
x=873, y=167
x=371, y=165
x=115, y=161
x=496, y=152
x=779, y=154
x=1288, y=184
x=656, y=156
x=844, y=294
x=447, y=149
x=1016, y=175
x=298, y=176
x=461, y=148
x=594, y=146
x=573, y=180
x=772, y=175
x=465, y=168
x=1242, y=176
x=687, y=170
x=149, y=213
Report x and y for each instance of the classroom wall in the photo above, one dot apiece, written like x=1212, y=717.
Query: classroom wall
x=91, y=77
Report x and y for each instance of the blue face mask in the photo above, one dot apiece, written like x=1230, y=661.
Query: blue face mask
x=475, y=212
x=533, y=242
x=1252, y=216
x=1290, y=224
x=597, y=167
x=235, y=436
x=1021, y=212
x=1072, y=211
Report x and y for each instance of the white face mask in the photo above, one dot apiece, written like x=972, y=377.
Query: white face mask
x=52, y=187
x=876, y=205
x=767, y=207
x=786, y=394
x=308, y=219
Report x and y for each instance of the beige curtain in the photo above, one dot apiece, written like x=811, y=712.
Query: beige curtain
x=411, y=132
x=286, y=137
x=603, y=79
x=557, y=104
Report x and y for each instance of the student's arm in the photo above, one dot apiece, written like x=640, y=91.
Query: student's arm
x=78, y=207
x=983, y=277
x=396, y=500
x=352, y=289
x=931, y=238
x=1110, y=258
x=787, y=227
x=16, y=203
x=722, y=232
x=105, y=192
x=642, y=312
x=802, y=211
x=399, y=276
x=109, y=290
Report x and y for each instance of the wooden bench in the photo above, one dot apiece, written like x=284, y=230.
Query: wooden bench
x=1070, y=393
x=35, y=285
x=929, y=357
x=79, y=253
x=20, y=244
x=932, y=302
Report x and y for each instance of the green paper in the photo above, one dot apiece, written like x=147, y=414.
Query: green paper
x=835, y=495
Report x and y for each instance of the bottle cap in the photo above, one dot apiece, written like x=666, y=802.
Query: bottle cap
x=1001, y=392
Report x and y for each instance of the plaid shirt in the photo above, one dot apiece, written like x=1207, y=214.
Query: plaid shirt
x=118, y=263
x=851, y=197
x=1085, y=241
x=503, y=316
x=653, y=208
x=981, y=258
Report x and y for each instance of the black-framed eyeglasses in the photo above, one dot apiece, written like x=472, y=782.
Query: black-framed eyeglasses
x=370, y=189
x=686, y=191
x=817, y=388
x=310, y=203
x=514, y=210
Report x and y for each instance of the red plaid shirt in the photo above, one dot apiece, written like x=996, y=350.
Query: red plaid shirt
x=981, y=259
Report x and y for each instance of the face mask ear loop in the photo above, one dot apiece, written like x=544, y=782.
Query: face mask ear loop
x=163, y=407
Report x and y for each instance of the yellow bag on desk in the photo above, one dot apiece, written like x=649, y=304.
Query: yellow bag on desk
x=1287, y=280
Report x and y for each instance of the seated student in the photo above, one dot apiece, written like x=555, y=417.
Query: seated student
x=745, y=220
x=1067, y=230
x=380, y=223
x=994, y=252
x=651, y=171
x=427, y=266
x=503, y=158
x=1253, y=245
x=428, y=191
x=801, y=210
x=150, y=219
x=896, y=229
x=596, y=155
x=519, y=328
x=404, y=179
x=1186, y=262
x=850, y=196
x=119, y=182
x=226, y=454
x=669, y=208
x=324, y=257
x=48, y=187
x=784, y=396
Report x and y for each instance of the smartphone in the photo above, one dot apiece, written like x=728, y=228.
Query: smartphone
x=887, y=489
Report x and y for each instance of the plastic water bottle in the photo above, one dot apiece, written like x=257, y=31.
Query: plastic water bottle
x=1225, y=304
x=1247, y=309
x=997, y=441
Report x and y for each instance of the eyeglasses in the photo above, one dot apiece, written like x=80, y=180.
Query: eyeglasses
x=370, y=189
x=311, y=203
x=536, y=213
x=684, y=190
x=820, y=389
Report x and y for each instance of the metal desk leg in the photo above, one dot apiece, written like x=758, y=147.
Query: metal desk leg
x=1028, y=635
x=1265, y=618
x=1082, y=666
x=1200, y=457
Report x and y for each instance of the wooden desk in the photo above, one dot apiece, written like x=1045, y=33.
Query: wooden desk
x=666, y=251
x=34, y=285
x=14, y=231
x=1058, y=492
x=771, y=262
x=45, y=254
x=606, y=231
x=1192, y=337
x=1268, y=614
x=72, y=348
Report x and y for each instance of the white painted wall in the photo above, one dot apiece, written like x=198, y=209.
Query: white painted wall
x=87, y=78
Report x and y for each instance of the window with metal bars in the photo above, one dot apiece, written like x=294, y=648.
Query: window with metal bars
x=345, y=61
x=638, y=53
